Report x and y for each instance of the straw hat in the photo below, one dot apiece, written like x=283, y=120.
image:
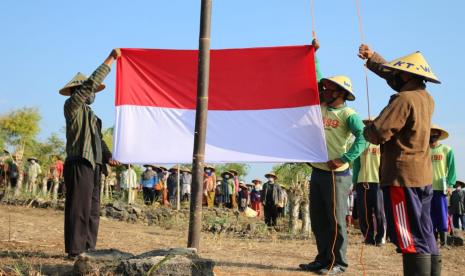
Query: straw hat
x=414, y=64
x=343, y=82
x=444, y=133
x=162, y=168
x=460, y=182
x=234, y=172
x=78, y=80
x=33, y=158
x=368, y=120
x=242, y=184
x=185, y=170
x=227, y=173
x=209, y=167
x=173, y=169
x=256, y=180
x=271, y=174
x=150, y=165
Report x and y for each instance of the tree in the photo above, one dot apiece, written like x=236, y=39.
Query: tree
x=20, y=126
x=241, y=168
x=294, y=177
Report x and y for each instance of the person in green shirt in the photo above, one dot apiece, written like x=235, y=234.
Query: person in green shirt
x=331, y=181
x=444, y=177
x=369, y=197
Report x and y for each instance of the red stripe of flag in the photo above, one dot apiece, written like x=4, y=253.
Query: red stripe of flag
x=240, y=79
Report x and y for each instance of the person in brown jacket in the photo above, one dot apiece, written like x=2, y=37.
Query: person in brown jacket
x=403, y=130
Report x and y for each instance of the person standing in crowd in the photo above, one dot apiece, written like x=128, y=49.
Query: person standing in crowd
x=186, y=181
x=56, y=175
x=244, y=199
x=209, y=181
x=406, y=174
x=219, y=192
x=86, y=154
x=172, y=184
x=227, y=189
x=331, y=181
x=163, y=179
x=369, y=195
x=457, y=205
x=255, y=199
x=270, y=196
x=148, y=180
x=444, y=177
x=128, y=183
x=160, y=184
x=33, y=171
x=236, y=188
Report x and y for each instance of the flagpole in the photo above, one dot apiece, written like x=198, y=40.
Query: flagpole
x=195, y=215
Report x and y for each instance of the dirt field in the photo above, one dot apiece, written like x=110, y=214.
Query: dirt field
x=36, y=238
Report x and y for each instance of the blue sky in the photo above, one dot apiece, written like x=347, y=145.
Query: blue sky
x=44, y=43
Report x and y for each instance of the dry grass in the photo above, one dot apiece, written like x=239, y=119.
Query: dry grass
x=37, y=245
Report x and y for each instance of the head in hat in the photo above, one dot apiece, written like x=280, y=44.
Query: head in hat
x=337, y=89
x=75, y=83
x=150, y=167
x=227, y=175
x=234, y=172
x=208, y=170
x=242, y=185
x=161, y=169
x=459, y=184
x=271, y=177
x=368, y=120
x=437, y=133
x=185, y=170
x=33, y=159
x=173, y=169
x=218, y=181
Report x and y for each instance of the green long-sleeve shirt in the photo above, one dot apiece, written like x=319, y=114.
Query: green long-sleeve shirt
x=442, y=157
x=83, y=127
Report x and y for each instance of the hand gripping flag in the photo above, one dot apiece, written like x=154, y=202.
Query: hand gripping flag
x=263, y=106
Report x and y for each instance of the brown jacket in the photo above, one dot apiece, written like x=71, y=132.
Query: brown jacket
x=403, y=129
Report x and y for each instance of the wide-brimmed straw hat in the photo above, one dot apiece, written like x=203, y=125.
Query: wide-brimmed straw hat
x=256, y=180
x=209, y=167
x=271, y=174
x=152, y=166
x=78, y=80
x=33, y=158
x=234, y=172
x=444, y=133
x=414, y=64
x=226, y=173
x=343, y=82
x=368, y=120
x=185, y=170
x=173, y=169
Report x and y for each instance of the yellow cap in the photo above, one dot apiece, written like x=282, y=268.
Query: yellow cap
x=444, y=133
x=343, y=82
x=415, y=64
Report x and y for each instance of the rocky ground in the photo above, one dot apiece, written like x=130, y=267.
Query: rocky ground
x=31, y=241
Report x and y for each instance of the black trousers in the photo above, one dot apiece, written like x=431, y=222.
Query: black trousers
x=370, y=204
x=271, y=213
x=82, y=205
x=149, y=195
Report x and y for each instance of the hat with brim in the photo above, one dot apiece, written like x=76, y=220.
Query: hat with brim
x=173, y=169
x=271, y=174
x=33, y=158
x=186, y=170
x=242, y=185
x=162, y=168
x=343, y=82
x=414, y=64
x=226, y=173
x=78, y=80
x=234, y=172
x=444, y=133
x=152, y=166
x=209, y=167
x=256, y=181
x=461, y=183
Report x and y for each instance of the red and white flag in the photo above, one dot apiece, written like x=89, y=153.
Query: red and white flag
x=263, y=106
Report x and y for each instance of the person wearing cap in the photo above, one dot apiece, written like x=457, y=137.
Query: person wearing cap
x=255, y=196
x=209, y=181
x=172, y=185
x=227, y=188
x=236, y=188
x=148, y=180
x=33, y=171
x=457, y=205
x=270, y=197
x=87, y=154
x=331, y=180
x=186, y=182
x=128, y=183
x=369, y=197
x=163, y=181
x=406, y=174
x=444, y=177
